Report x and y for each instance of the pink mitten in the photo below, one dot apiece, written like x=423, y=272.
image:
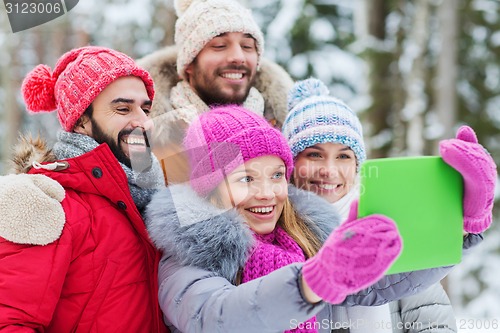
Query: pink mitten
x=354, y=256
x=479, y=172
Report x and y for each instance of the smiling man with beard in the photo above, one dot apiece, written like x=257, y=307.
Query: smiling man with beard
x=75, y=254
x=217, y=59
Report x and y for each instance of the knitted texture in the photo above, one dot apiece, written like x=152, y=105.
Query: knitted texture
x=271, y=252
x=354, y=256
x=78, y=77
x=220, y=140
x=479, y=173
x=316, y=117
x=201, y=20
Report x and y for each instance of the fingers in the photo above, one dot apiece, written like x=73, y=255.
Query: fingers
x=466, y=133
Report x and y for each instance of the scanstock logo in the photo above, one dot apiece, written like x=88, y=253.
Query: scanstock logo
x=25, y=14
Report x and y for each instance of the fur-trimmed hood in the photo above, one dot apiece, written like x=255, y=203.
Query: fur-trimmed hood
x=27, y=151
x=272, y=81
x=196, y=233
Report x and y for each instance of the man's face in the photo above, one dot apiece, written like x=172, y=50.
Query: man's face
x=224, y=70
x=120, y=119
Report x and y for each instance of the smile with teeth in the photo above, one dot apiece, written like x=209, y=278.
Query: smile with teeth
x=232, y=76
x=130, y=140
x=261, y=210
x=328, y=187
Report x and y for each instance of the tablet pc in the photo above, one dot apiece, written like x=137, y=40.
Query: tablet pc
x=423, y=195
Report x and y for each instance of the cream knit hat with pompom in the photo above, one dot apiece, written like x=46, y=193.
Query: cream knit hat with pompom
x=201, y=20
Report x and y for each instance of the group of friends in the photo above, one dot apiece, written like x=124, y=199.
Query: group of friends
x=200, y=189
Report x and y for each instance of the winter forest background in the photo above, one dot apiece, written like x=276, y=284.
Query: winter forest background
x=413, y=70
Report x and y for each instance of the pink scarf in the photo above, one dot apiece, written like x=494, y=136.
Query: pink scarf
x=271, y=252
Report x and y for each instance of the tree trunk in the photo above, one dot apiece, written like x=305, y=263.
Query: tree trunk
x=445, y=86
x=375, y=118
x=10, y=82
x=416, y=103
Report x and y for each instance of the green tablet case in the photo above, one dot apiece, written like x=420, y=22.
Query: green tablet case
x=423, y=195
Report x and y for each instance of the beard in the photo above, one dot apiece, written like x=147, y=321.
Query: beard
x=213, y=92
x=139, y=162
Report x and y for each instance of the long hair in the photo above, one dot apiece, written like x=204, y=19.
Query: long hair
x=295, y=226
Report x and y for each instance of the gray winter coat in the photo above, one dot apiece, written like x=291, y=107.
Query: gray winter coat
x=204, y=247
x=428, y=311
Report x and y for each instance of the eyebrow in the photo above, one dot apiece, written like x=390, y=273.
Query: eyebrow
x=319, y=148
x=244, y=35
x=276, y=167
x=129, y=101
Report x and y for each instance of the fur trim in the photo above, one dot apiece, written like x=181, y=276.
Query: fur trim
x=196, y=233
x=319, y=215
x=272, y=81
x=31, y=209
x=27, y=151
x=162, y=67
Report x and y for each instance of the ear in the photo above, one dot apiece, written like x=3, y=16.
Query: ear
x=189, y=71
x=83, y=126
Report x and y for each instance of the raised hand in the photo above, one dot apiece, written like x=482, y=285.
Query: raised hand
x=355, y=256
x=479, y=172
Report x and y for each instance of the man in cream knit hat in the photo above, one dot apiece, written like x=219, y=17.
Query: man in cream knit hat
x=217, y=59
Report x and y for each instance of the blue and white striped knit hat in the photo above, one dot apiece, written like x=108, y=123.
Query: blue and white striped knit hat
x=316, y=117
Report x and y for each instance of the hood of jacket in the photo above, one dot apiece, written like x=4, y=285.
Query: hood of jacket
x=272, y=81
x=195, y=232
x=27, y=151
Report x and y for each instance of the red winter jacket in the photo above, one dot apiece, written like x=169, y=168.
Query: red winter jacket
x=100, y=275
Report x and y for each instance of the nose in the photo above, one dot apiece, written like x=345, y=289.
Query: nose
x=141, y=119
x=264, y=191
x=236, y=54
x=328, y=170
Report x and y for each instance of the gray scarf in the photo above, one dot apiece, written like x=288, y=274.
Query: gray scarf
x=142, y=185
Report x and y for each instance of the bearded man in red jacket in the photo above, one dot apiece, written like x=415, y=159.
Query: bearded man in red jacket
x=77, y=257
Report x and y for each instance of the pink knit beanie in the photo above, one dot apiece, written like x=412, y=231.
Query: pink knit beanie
x=220, y=140
x=78, y=77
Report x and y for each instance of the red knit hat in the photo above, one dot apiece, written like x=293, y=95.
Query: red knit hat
x=78, y=77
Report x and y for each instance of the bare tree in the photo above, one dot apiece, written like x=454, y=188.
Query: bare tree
x=445, y=84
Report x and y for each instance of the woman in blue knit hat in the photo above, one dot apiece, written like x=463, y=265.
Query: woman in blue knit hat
x=326, y=140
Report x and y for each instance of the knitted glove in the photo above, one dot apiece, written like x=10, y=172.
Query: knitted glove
x=354, y=256
x=479, y=172
x=31, y=209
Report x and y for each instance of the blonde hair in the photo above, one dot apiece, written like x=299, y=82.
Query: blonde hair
x=295, y=226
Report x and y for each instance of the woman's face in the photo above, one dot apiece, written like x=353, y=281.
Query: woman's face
x=258, y=189
x=327, y=169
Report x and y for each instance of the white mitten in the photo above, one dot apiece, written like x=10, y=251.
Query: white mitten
x=31, y=211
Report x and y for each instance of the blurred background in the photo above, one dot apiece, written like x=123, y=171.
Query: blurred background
x=413, y=70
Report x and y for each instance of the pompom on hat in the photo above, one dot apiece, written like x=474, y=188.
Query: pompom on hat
x=220, y=140
x=316, y=117
x=78, y=77
x=199, y=21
